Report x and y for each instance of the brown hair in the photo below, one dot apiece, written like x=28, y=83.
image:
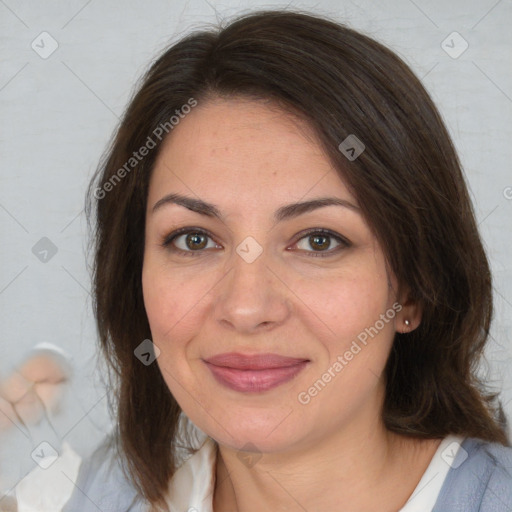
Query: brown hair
x=408, y=182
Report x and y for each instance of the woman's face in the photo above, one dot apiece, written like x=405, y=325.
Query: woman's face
x=274, y=322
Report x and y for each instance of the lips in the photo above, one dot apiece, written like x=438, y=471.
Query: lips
x=254, y=373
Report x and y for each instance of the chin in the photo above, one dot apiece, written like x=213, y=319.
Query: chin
x=257, y=430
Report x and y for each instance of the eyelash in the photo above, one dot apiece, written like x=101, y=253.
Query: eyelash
x=344, y=243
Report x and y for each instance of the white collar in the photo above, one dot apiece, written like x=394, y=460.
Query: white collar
x=192, y=486
x=427, y=491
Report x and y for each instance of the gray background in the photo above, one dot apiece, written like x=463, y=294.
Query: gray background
x=59, y=112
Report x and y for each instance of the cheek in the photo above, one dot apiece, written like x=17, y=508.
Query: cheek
x=172, y=300
x=343, y=306
x=345, y=314
x=174, y=309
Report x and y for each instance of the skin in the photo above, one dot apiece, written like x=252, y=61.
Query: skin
x=249, y=158
x=33, y=388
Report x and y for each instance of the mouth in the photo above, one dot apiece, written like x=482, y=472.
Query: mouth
x=254, y=373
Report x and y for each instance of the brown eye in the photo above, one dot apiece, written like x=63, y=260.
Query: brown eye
x=189, y=241
x=196, y=241
x=321, y=242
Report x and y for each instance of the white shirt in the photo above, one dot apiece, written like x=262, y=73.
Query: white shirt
x=425, y=495
x=48, y=486
x=192, y=486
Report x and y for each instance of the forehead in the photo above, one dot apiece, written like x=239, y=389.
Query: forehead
x=247, y=149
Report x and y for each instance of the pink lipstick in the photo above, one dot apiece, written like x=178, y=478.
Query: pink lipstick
x=254, y=373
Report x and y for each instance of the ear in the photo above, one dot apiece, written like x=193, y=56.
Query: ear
x=409, y=317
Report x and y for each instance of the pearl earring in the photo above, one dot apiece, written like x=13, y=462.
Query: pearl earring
x=407, y=323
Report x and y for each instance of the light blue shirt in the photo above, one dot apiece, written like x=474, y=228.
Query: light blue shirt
x=480, y=480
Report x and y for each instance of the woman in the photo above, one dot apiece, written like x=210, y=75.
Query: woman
x=287, y=258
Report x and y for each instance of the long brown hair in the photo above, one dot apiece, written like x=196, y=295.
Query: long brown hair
x=408, y=182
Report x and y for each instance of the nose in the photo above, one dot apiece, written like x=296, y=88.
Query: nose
x=252, y=298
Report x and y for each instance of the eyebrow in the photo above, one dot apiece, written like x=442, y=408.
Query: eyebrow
x=286, y=212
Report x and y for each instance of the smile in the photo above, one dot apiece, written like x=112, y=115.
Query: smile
x=255, y=373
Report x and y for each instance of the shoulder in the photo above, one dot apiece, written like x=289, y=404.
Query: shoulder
x=480, y=479
x=101, y=484
x=498, y=459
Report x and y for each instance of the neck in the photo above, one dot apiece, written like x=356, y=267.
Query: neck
x=365, y=469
